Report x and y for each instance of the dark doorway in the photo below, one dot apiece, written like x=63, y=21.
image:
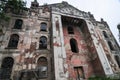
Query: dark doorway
x=42, y=67
x=79, y=73
x=6, y=68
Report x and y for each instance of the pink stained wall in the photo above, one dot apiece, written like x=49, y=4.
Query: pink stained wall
x=80, y=59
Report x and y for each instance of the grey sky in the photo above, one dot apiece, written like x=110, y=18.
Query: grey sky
x=109, y=10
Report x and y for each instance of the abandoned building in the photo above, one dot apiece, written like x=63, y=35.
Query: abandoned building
x=56, y=42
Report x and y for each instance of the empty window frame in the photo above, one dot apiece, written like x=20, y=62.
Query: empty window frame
x=79, y=73
x=43, y=27
x=6, y=68
x=18, y=24
x=42, y=67
x=105, y=34
x=74, y=46
x=117, y=60
x=110, y=45
x=70, y=30
x=43, y=42
x=13, y=42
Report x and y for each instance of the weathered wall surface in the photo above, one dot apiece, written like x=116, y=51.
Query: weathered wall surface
x=80, y=59
x=27, y=53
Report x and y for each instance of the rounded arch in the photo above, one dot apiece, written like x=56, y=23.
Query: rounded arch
x=74, y=46
x=18, y=24
x=6, y=68
x=13, y=42
x=42, y=61
x=43, y=42
x=43, y=26
x=117, y=60
x=7, y=62
x=42, y=66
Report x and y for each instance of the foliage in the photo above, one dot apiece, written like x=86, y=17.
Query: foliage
x=103, y=78
x=15, y=5
x=2, y=13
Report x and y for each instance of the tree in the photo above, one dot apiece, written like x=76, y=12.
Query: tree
x=15, y=6
x=2, y=13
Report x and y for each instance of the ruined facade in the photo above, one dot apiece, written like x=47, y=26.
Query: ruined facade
x=56, y=42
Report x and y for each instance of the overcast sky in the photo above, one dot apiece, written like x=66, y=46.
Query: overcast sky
x=109, y=10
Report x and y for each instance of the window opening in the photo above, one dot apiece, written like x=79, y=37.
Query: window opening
x=18, y=24
x=43, y=27
x=110, y=45
x=74, y=46
x=105, y=34
x=43, y=42
x=70, y=30
x=117, y=60
x=13, y=41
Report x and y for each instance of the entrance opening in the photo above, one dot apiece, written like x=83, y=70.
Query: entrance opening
x=42, y=67
x=79, y=73
x=6, y=68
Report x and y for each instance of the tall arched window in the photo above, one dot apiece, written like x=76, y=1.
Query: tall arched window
x=43, y=42
x=43, y=27
x=74, y=46
x=42, y=67
x=18, y=24
x=110, y=45
x=13, y=42
x=117, y=60
x=6, y=68
x=105, y=34
x=70, y=30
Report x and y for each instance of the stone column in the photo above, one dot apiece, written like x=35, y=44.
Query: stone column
x=58, y=47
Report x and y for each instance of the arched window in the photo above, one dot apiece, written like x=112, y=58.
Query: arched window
x=105, y=34
x=110, y=45
x=70, y=30
x=117, y=60
x=13, y=42
x=42, y=67
x=6, y=68
x=43, y=27
x=43, y=42
x=18, y=24
x=74, y=46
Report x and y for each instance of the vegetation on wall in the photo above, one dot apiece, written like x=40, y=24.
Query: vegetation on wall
x=117, y=77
